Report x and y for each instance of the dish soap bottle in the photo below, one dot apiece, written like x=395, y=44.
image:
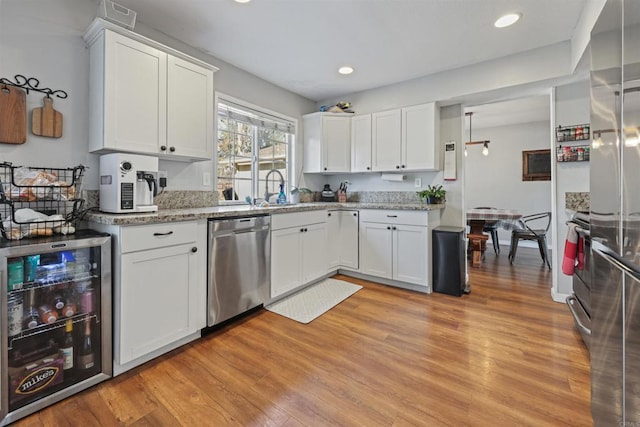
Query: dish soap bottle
x=282, y=198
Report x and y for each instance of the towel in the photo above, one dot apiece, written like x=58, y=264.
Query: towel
x=573, y=251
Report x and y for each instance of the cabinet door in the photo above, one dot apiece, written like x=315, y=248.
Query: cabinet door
x=336, y=144
x=189, y=110
x=361, y=143
x=155, y=295
x=376, y=249
x=314, y=252
x=285, y=260
x=134, y=95
x=334, y=239
x=410, y=254
x=386, y=140
x=420, y=137
x=348, y=239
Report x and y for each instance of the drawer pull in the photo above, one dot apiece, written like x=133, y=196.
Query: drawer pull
x=194, y=249
x=392, y=216
x=168, y=233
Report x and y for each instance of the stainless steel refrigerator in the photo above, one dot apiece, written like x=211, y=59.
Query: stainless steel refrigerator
x=615, y=215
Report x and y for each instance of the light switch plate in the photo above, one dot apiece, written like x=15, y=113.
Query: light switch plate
x=417, y=183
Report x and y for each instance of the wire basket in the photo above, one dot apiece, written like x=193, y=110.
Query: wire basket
x=39, y=201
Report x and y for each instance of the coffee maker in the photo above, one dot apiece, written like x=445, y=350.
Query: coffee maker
x=128, y=183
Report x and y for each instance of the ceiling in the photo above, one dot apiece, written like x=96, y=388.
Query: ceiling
x=299, y=44
x=523, y=110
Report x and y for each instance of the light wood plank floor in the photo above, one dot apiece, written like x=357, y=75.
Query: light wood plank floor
x=504, y=355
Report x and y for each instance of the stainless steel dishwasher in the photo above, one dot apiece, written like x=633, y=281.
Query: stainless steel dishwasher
x=239, y=272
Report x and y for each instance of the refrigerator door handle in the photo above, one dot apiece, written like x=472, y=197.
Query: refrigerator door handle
x=571, y=300
x=598, y=248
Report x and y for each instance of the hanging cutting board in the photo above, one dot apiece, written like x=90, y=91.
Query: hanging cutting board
x=13, y=115
x=45, y=121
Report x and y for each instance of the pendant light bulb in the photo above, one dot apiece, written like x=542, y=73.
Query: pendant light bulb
x=465, y=151
x=485, y=149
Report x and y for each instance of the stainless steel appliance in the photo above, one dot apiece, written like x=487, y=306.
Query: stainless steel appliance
x=56, y=319
x=579, y=302
x=239, y=272
x=128, y=183
x=615, y=215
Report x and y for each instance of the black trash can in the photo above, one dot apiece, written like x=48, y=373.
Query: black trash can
x=449, y=260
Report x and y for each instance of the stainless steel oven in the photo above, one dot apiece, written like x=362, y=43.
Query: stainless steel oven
x=579, y=302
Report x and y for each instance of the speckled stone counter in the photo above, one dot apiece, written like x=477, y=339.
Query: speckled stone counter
x=577, y=201
x=168, y=215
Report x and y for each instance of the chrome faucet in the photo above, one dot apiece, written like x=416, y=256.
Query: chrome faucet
x=266, y=185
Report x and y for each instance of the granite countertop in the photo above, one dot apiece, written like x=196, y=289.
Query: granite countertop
x=168, y=215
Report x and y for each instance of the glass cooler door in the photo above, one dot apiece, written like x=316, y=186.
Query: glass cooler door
x=57, y=328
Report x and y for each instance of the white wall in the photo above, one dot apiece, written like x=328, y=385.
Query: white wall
x=572, y=107
x=496, y=180
x=43, y=39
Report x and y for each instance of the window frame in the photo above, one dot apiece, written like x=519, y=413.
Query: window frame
x=255, y=175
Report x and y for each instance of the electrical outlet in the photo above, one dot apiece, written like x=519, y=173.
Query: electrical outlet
x=162, y=178
x=206, y=179
x=417, y=183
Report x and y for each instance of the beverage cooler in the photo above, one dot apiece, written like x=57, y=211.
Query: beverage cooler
x=56, y=319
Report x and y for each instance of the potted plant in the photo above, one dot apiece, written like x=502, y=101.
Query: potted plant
x=434, y=194
x=297, y=194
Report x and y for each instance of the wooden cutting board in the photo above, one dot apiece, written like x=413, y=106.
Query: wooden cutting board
x=13, y=115
x=45, y=121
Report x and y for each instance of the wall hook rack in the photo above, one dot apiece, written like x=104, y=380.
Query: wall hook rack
x=32, y=83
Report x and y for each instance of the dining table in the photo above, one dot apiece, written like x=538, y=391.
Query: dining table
x=477, y=218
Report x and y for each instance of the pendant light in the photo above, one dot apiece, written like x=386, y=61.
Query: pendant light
x=485, y=144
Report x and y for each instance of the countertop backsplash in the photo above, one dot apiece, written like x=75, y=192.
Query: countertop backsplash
x=577, y=201
x=203, y=199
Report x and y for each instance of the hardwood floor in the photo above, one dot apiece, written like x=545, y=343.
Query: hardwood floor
x=503, y=355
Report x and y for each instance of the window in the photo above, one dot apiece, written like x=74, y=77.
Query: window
x=253, y=145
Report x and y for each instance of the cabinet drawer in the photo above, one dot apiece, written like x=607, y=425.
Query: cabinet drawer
x=296, y=219
x=394, y=217
x=143, y=237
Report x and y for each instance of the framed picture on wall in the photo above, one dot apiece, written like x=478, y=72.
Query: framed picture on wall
x=536, y=165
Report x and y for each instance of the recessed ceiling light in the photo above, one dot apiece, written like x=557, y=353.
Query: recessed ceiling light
x=345, y=70
x=506, y=20
x=242, y=1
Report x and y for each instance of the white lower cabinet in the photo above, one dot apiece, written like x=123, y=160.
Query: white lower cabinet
x=343, y=239
x=159, y=289
x=298, y=250
x=396, y=245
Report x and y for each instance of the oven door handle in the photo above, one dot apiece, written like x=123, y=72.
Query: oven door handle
x=571, y=300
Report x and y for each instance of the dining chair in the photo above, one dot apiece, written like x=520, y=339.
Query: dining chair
x=529, y=231
x=491, y=227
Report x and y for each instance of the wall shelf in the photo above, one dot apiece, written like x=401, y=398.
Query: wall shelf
x=573, y=153
x=573, y=133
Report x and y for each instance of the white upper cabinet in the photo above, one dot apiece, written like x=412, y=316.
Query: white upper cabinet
x=361, y=143
x=147, y=98
x=189, y=110
x=406, y=139
x=327, y=142
x=386, y=139
x=420, y=137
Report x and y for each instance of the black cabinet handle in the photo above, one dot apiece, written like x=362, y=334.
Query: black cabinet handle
x=163, y=147
x=368, y=168
x=168, y=233
x=305, y=230
x=194, y=249
x=392, y=216
x=325, y=168
x=397, y=167
x=329, y=214
x=388, y=228
x=172, y=149
x=355, y=214
x=302, y=230
x=393, y=228
x=403, y=166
